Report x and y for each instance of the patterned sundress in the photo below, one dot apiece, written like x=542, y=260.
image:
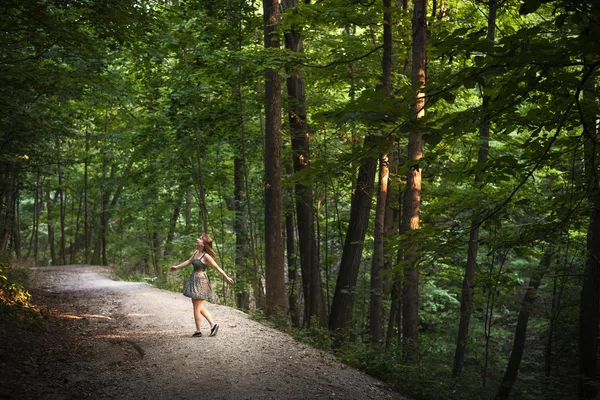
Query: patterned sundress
x=198, y=285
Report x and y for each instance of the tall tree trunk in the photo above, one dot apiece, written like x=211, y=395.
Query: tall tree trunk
x=412, y=195
x=378, y=260
x=200, y=180
x=9, y=190
x=516, y=354
x=314, y=304
x=253, y=275
x=188, y=211
x=172, y=226
x=360, y=206
x=61, y=204
x=74, y=245
x=16, y=232
x=276, y=296
x=244, y=277
x=86, y=229
x=33, y=241
x=50, y=207
x=291, y=256
x=590, y=292
x=466, y=299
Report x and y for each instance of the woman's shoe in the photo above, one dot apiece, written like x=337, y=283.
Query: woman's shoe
x=214, y=330
x=197, y=334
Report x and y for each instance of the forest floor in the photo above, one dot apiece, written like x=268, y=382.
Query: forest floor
x=107, y=339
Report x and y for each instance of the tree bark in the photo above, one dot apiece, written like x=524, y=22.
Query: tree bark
x=466, y=299
x=50, y=207
x=291, y=256
x=378, y=260
x=343, y=297
x=9, y=190
x=412, y=195
x=590, y=292
x=16, y=232
x=314, y=304
x=274, y=257
x=61, y=204
x=172, y=226
x=514, y=360
x=244, y=273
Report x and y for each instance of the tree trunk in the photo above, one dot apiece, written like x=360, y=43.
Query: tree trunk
x=412, y=195
x=378, y=260
x=590, y=292
x=200, y=180
x=50, y=206
x=342, y=304
x=9, y=189
x=314, y=304
x=244, y=272
x=172, y=226
x=87, y=234
x=61, y=204
x=466, y=299
x=16, y=232
x=291, y=257
x=276, y=296
x=514, y=361
x=33, y=241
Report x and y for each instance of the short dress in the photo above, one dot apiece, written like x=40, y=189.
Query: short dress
x=198, y=285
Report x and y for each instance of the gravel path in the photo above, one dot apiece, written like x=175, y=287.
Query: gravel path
x=127, y=340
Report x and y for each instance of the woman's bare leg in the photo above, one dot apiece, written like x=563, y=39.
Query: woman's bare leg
x=207, y=315
x=198, y=307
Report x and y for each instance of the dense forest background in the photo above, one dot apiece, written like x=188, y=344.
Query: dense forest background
x=413, y=185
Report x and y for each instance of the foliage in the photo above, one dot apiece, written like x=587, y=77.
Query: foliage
x=15, y=298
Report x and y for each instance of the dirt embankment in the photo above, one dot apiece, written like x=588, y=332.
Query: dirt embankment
x=124, y=340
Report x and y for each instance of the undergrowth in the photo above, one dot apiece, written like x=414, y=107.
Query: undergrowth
x=15, y=299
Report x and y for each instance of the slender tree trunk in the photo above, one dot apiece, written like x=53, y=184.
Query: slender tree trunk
x=391, y=228
x=360, y=206
x=16, y=232
x=172, y=226
x=33, y=245
x=274, y=257
x=514, y=360
x=200, y=180
x=76, y=235
x=314, y=304
x=466, y=299
x=253, y=275
x=188, y=211
x=243, y=269
x=551, y=329
x=378, y=260
x=590, y=292
x=291, y=257
x=50, y=206
x=412, y=195
x=61, y=204
x=86, y=229
x=9, y=211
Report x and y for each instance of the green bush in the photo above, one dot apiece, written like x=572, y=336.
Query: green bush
x=15, y=298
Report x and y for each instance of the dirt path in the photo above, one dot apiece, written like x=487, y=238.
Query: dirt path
x=124, y=340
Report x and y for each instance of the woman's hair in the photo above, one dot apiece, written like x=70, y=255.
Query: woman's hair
x=207, y=240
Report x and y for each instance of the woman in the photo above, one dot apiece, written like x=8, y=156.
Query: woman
x=198, y=286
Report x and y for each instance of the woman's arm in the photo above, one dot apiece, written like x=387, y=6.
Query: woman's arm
x=212, y=262
x=183, y=264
